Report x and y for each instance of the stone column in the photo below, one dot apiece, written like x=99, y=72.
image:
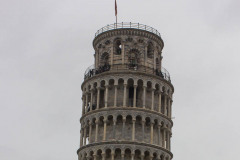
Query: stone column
x=85, y=135
x=112, y=155
x=165, y=104
x=103, y=156
x=159, y=134
x=89, y=157
x=112, y=54
x=114, y=128
x=104, y=129
x=115, y=96
x=142, y=156
x=170, y=136
x=83, y=105
x=133, y=129
x=123, y=53
x=135, y=96
x=106, y=96
x=125, y=95
x=143, y=130
x=84, y=156
x=150, y=157
x=152, y=132
x=167, y=139
x=91, y=100
x=122, y=155
x=144, y=96
x=154, y=60
x=94, y=157
x=123, y=127
x=159, y=102
x=98, y=97
x=132, y=156
x=164, y=138
x=90, y=132
x=152, y=99
x=170, y=109
x=86, y=110
x=145, y=57
x=81, y=137
x=96, y=132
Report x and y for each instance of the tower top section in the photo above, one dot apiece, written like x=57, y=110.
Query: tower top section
x=128, y=47
x=128, y=26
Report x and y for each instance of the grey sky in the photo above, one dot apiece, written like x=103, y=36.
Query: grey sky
x=46, y=45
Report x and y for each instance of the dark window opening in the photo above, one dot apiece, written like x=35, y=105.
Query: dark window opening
x=130, y=96
x=150, y=50
x=118, y=47
x=101, y=104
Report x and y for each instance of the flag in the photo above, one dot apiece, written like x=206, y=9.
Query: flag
x=115, y=7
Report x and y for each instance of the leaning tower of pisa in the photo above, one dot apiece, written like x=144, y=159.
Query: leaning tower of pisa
x=127, y=97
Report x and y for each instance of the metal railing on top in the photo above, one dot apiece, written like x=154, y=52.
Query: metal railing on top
x=127, y=25
x=92, y=71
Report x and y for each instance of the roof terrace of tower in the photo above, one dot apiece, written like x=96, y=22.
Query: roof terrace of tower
x=128, y=25
x=92, y=71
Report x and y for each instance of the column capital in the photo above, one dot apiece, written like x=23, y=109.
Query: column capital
x=153, y=89
x=164, y=128
x=159, y=92
x=97, y=121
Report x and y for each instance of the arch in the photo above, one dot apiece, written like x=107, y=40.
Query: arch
x=155, y=156
x=128, y=153
x=104, y=59
x=133, y=58
x=118, y=46
x=108, y=153
x=137, y=154
x=150, y=50
x=147, y=155
x=117, y=153
x=99, y=153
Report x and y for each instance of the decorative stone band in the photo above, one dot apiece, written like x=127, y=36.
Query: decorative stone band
x=126, y=75
x=123, y=150
x=124, y=112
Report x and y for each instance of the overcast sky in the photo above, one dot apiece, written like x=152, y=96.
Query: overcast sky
x=46, y=45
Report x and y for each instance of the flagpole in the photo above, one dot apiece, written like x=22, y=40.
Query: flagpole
x=116, y=11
